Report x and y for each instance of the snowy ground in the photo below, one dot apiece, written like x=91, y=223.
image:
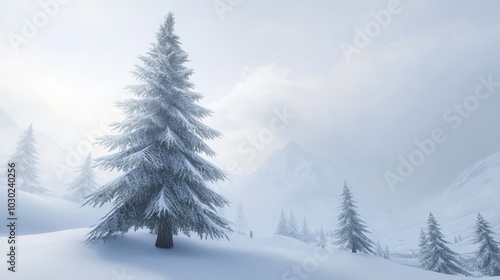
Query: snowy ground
x=51, y=247
x=62, y=255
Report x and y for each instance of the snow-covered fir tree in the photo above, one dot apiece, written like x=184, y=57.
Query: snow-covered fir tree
x=282, y=228
x=351, y=232
x=26, y=159
x=488, y=253
x=422, y=248
x=321, y=242
x=159, y=147
x=84, y=184
x=387, y=253
x=305, y=234
x=293, y=230
x=240, y=222
x=439, y=257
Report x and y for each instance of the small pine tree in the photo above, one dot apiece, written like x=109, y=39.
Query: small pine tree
x=387, y=253
x=85, y=183
x=488, y=253
x=321, y=242
x=422, y=249
x=293, y=230
x=241, y=222
x=251, y=234
x=439, y=257
x=282, y=228
x=351, y=232
x=26, y=160
x=160, y=149
x=305, y=233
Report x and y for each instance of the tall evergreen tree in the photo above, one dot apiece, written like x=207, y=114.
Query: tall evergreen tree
x=240, y=222
x=422, y=249
x=305, y=234
x=85, y=183
x=293, y=230
x=321, y=239
x=159, y=149
x=439, y=257
x=26, y=159
x=282, y=228
x=488, y=253
x=351, y=232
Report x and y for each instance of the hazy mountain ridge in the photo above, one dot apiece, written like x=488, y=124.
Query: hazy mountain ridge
x=291, y=179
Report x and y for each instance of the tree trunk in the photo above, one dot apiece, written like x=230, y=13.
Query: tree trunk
x=353, y=249
x=165, y=237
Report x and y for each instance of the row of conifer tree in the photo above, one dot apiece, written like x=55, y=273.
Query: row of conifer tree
x=26, y=159
x=434, y=254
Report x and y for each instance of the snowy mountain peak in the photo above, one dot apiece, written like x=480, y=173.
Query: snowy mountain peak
x=291, y=158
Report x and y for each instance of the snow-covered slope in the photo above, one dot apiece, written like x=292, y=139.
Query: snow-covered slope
x=45, y=213
x=477, y=189
x=62, y=255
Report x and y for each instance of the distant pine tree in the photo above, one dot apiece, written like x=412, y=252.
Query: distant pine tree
x=305, y=233
x=293, y=230
x=321, y=242
x=351, y=232
x=488, y=253
x=241, y=221
x=282, y=228
x=387, y=254
x=378, y=251
x=422, y=249
x=85, y=183
x=26, y=160
x=439, y=257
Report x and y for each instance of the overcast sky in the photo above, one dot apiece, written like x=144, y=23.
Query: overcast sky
x=325, y=73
